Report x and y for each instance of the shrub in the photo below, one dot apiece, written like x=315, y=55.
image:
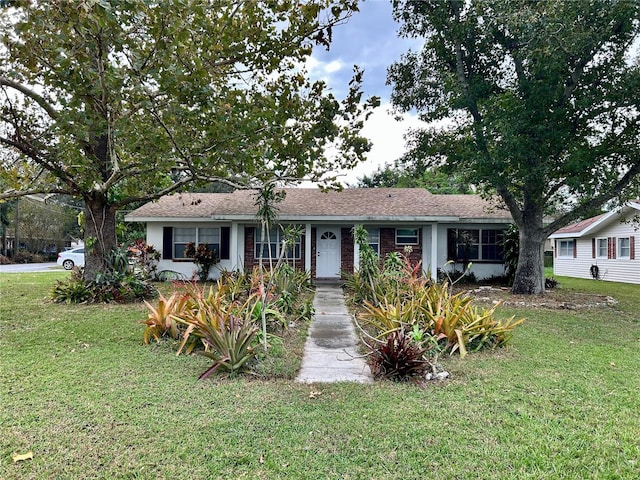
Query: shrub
x=106, y=288
x=145, y=258
x=305, y=311
x=364, y=281
x=74, y=290
x=236, y=283
x=231, y=345
x=276, y=321
x=550, y=283
x=203, y=257
x=120, y=288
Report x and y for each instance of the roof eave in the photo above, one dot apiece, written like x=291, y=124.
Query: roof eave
x=565, y=235
x=322, y=219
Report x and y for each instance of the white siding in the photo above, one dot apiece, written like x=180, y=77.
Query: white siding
x=613, y=270
x=186, y=267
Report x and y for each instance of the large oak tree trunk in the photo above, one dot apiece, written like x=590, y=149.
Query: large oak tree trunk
x=529, y=278
x=99, y=235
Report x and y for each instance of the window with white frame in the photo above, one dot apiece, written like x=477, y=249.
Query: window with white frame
x=624, y=247
x=273, y=244
x=602, y=248
x=407, y=236
x=197, y=235
x=566, y=248
x=373, y=235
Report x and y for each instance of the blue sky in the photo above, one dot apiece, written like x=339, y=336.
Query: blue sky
x=368, y=39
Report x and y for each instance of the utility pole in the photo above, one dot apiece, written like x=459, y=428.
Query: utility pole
x=16, y=239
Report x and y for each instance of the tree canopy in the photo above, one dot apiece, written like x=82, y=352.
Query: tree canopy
x=435, y=179
x=543, y=97
x=122, y=101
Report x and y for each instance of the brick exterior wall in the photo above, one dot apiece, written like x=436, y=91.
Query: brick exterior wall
x=249, y=238
x=249, y=250
x=388, y=245
x=346, y=251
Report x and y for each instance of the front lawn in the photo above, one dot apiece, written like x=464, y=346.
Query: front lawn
x=83, y=394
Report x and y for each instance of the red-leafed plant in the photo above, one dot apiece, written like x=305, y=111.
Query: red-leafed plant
x=399, y=358
x=203, y=256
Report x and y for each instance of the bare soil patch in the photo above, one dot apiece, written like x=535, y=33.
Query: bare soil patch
x=557, y=299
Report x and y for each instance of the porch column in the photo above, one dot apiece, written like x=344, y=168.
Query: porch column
x=307, y=248
x=236, y=263
x=356, y=252
x=426, y=247
x=434, y=251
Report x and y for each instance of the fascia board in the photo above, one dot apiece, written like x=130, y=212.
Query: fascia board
x=500, y=221
x=322, y=219
x=564, y=235
x=341, y=219
x=130, y=218
x=606, y=219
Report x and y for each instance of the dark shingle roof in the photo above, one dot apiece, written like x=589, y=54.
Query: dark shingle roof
x=309, y=203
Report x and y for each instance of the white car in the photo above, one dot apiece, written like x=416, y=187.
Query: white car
x=71, y=258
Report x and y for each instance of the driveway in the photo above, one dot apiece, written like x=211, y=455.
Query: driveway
x=28, y=267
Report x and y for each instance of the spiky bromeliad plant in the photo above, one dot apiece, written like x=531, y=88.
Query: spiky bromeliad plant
x=161, y=321
x=224, y=328
x=231, y=345
x=399, y=357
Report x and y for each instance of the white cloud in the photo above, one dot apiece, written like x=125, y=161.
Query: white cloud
x=387, y=138
x=319, y=69
x=334, y=66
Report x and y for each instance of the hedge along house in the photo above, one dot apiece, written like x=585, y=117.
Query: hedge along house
x=602, y=247
x=438, y=228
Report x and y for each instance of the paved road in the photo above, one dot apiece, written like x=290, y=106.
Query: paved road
x=28, y=267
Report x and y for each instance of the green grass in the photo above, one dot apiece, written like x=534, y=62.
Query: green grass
x=80, y=390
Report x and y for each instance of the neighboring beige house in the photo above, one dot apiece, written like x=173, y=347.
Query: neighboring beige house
x=602, y=247
x=436, y=227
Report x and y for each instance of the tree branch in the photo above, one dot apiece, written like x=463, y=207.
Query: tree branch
x=594, y=202
x=13, y=193
x=52, y=112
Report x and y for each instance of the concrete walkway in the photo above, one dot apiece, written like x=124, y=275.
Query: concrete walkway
x=330, y=354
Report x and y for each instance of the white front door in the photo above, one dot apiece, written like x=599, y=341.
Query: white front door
x=328, y=253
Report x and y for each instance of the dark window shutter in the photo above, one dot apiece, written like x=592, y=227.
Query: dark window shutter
x=632, y=248
x=167, y=243
x=225, y=236
x=593, y=248
x=555, y=248
x=575, y=248
x=611, y=250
